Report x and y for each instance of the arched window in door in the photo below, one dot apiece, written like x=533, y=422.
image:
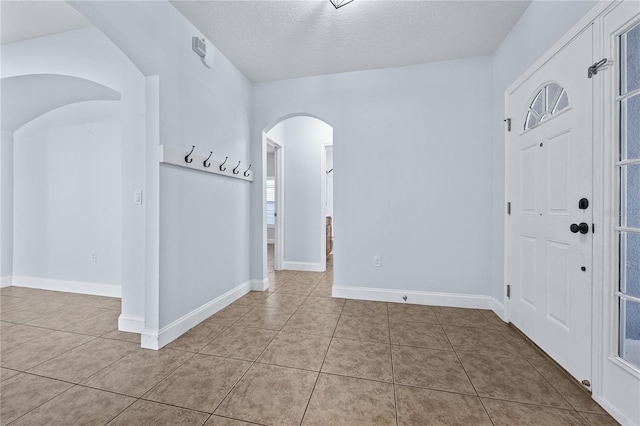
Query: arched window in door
x=549, y=100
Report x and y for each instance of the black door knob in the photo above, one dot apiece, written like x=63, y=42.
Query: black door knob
x=582, y=228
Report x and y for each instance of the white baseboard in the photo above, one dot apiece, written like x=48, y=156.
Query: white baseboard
x=498, y=308
x=416, y=297
x=130, y=323
x=260, y=285
x=302, y=266
x=156, y=339
x=94, y=289
x=613, y=411
x=6, y=281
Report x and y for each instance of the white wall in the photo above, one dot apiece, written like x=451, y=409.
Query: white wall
x=88, y=54
x=6, y=210
x=67, y=203
x=271, y=165
x=413, y=171
x=203, y=219
x=541, y=25
x=302, y=139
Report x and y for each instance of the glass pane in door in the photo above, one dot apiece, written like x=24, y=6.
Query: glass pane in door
x=630, y=331
x=630, y=264
x=630, y=58
x=630, y=126
x=630, y=195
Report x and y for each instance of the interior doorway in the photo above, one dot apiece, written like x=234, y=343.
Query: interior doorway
x=298, y=193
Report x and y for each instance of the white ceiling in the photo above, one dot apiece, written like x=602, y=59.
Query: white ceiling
x=26, y=97
x=22, y=20
x=271, y=40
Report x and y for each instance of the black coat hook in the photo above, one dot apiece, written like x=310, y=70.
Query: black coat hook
x=205, y=161
x=186, y=158
x=222, y=169
x=235, y=170
x=246, y=172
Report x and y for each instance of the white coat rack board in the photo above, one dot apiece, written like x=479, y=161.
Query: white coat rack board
x=191, y=160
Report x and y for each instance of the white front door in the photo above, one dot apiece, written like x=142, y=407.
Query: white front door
x=549, y=183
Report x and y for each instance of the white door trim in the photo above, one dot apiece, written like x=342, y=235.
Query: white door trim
x=323, y=204
x=279, y=207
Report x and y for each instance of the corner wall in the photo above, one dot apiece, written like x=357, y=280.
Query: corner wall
x=6, y=209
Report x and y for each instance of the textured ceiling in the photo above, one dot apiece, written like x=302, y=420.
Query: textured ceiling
x=29, y=96
x=271, y=40
x=22, y=20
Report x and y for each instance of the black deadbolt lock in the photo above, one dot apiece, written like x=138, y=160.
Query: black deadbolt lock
x=583, y=204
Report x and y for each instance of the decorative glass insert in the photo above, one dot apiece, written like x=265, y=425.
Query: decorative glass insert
x=628, y=229
x=550, y=100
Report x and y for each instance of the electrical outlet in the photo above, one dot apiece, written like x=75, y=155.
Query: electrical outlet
x=137, y=197
x=376, y=261
x=94, y=256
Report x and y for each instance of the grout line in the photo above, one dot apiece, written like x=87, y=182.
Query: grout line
x=393, y=373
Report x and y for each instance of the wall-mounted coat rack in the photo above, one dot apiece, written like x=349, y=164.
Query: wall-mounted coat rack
x=187, y=159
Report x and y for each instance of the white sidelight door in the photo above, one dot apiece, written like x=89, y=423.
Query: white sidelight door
x=549, y=179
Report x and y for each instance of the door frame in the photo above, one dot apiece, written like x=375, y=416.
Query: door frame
x=278, y=254
x=602, y=330
x=323, y=203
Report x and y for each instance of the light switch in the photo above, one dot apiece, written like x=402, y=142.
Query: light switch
x=137, y=197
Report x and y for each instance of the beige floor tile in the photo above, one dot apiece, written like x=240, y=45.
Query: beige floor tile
x=98, y=325
x=429, y=368
x=199, y=336
x=270, y=395
x=82, y=362
x=78, y=406
x=462, y=317
x=511, y=379
x=24, y=392
x=6, y=373
x=65, y=317
x=513, y=413
x=199, y=384
x=241, y=343
x=411, y=313
x=522, y=345
x=418, y=406
x=225, y=421
x=312, y=322
x=579, y=399
x=253, y=298
x=113, y=303
x=15, y=335
x=487, y=341
x=355, y=358
x=296, y=350
x=494, y=320
x=151, y=414
x=419, y=334
x=231, y=314
x=326, y=305
x=261, y=317
x=322, y=291
x=42, y=349
x=32, y=311
x=288, y=303
x=339, y=400
x=365, y=309
x=370, y=330
x=294, y=287
x=123, y=335
x=599, y=419
x=138, y=372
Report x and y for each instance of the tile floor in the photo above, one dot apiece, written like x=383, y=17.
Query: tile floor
x=289, y=356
